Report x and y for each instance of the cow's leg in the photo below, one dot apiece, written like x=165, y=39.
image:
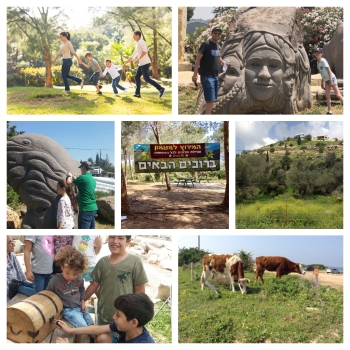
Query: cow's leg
x=204, y=277
x=232, y=283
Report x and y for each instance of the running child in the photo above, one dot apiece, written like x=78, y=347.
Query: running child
x=97, y=71
x=113, y=71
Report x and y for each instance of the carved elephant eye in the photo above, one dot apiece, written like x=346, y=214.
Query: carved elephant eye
x=26, y=142
x=41, y=209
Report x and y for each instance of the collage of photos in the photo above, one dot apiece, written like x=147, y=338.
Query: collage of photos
x=91, y=86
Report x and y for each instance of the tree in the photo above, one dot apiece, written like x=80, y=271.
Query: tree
x=190, y=13
x=299, y=140
x=12, y=131
x=156, y=131
x=125, y=200
x=225, y=202
x=188, y=255
x=219, y=11
x=267, y=156
x=38, y=32
x=247, y=259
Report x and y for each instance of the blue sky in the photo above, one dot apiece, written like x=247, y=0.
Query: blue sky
x=203, y=13
x=81, y=139
x=326, y=250
x=253, y=135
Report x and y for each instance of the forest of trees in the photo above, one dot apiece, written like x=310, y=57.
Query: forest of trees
x=306, y=174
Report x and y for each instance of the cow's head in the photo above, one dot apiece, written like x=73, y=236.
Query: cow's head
x=243, y=285
x=301, y=269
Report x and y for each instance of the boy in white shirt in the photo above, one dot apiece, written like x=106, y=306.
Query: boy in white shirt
x=144, y=63
x=113, y=71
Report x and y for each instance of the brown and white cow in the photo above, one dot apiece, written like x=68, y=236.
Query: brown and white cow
x=281, y=265
x=227, y=265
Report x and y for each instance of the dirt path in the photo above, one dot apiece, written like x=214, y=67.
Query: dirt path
x=327, y=279
x=185, y=207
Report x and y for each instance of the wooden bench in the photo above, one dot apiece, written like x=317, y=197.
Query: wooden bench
x=186, y=181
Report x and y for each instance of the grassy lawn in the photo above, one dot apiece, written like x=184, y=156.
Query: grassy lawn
x=289, y=310
x=188, y=98
x=33, y=100
x=160, y=326
x=322, y=212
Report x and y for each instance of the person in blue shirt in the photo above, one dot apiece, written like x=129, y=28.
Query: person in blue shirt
x=133, y=312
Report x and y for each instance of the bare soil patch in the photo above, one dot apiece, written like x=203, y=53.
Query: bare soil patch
x=184, y=207
x=326, y=279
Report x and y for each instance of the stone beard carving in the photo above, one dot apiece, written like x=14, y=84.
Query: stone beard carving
x=269, y=72
x=35, y=163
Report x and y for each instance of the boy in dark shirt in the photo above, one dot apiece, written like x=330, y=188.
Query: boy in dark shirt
x=133, y=311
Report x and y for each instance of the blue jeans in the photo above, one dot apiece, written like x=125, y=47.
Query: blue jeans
x=77, y=317
x=115, y=84
x=27, y=289
x=86, y=220
x=143, y=70
x=95, y=78
x=66, y=64
x=210, y=85
x=40, y=281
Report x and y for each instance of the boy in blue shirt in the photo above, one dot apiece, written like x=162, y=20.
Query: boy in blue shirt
x=133, y=311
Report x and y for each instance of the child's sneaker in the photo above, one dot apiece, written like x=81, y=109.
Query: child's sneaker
x=125, y=91
x=100, y=86
x=82, y=84
x=138, y=96
x=330, y=113
x=116, y=94
x=161, y=92
x=99, y=93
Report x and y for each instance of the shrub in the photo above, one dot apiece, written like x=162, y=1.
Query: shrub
x=188, y=255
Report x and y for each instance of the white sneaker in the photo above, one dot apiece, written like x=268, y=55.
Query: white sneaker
x=116, y=94
x=67, y=91
x=125, y=91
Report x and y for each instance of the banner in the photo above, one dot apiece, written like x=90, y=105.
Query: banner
x=189, y=157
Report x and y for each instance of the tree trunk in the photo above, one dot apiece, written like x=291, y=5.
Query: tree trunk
x=131, y=172
x=154, y=126
x=125, y=162
x=125, y=201
x=48, y=72
x=225, y=202
x=155, y=71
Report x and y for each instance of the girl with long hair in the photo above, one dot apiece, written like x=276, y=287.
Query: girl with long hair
x=67, y=205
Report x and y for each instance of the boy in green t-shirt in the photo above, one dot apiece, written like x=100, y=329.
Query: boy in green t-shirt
x=118, y=274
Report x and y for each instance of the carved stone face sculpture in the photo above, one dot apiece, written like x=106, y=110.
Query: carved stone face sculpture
x=263, y=73
x=270, y=70
x=228, y=79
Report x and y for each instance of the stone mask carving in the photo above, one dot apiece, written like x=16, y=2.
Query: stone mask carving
x=270, y=71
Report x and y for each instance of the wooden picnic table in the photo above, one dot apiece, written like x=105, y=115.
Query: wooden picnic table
x=186, y=181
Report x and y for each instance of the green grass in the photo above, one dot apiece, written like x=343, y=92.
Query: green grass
x=187, y=100
x=160, y=326
x=322, y=212
x=33, y=100
x=274, y=312
x=188, y=97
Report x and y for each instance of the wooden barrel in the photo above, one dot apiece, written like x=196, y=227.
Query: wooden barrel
x=32, y=319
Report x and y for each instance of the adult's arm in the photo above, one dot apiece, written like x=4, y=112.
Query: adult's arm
x=141, y=288
x=93, y=287
x=98, y=245
x=144, y=53
x=196, y=65
x=28, y=245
